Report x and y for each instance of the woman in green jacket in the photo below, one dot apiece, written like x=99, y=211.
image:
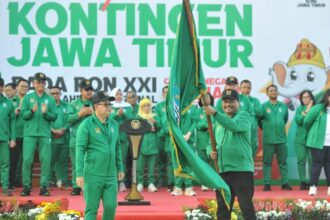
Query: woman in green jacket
x=317, y=122
x=149, y=149
x=303, y=153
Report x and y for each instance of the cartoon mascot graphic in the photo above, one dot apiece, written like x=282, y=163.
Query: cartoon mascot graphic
x=305, y=70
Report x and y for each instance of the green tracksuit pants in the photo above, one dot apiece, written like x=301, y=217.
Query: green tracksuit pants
x=4, y=164
x=161, y=162
x=29, y=147
x=73, y=166
x=303, y=156
x=60, y=162
x=269, y=150
x=100, y=188
x=150, y=161
x=124, y=152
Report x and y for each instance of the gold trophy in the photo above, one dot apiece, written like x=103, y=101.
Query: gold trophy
x=135, y=129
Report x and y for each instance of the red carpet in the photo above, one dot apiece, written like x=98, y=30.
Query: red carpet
x=163, y=206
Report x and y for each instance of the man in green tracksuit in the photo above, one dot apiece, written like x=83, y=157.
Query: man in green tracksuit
x=203, y=135
x=233, y=151
x=274, y=117
x=121, y=112
x=132, y=98
x=98, y=162
x=7, y=135
x=60, y=141
x=188, y=125
x=246, y=87
x=15, y=171
x=79, y=110
x=160, y=110
x=38, y=110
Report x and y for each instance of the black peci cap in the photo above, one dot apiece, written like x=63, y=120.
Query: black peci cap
x=230, y=94
x=101, y=96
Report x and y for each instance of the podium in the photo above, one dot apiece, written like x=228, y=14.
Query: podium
x=135, y=129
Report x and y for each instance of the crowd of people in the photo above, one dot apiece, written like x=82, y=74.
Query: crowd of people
x=60, y=132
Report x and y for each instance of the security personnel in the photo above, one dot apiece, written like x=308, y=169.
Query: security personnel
x=273, y=119
x=233, y=137
x=38, y=110
x=99, y=163
x=79, y=110
x=245, y=88
x=7, y=135
x=149, y=149
x=60, y=141
x=15, y=171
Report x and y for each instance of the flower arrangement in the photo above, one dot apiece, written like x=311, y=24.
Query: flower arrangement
x=268, y=210
x=45, y=211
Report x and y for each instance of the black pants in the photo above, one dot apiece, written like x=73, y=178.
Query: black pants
x=320, y=158
x=15, y=154
x=241, y=184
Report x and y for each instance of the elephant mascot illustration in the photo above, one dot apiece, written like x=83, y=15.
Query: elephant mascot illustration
x=305, y=70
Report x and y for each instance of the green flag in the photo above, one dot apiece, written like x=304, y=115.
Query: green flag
x=186, y=84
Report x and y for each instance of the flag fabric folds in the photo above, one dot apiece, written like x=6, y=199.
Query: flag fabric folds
x=186, y=84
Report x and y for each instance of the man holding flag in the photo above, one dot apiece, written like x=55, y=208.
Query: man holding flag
x=233, y=135
x=186, y=84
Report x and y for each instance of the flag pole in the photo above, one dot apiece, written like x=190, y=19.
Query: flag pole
x=206, y=101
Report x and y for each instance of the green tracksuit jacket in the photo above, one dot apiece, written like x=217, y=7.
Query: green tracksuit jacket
x=233, y=138
x=38, y=124
x=98, y=151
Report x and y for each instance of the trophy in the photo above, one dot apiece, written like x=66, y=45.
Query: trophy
x=135, y=129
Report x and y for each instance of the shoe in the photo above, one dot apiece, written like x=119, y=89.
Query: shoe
x=122, y=187
x=26, y=192
x=313, y=191
x=189, y=192
x=170, y=187
x=11, y=188
x=152, y=188
x=204, y=188
x=75, y=192
x=6, y=192
x=176, y=192
x=44, y=191
x=328, y=192
x=66, y=187
x=59, y=184
x=286, y=187
x=139, y=187
x=267, y=188
x=304, y=186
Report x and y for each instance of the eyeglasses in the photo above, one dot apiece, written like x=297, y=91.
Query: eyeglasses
x=88, y=89
x=107, y=105
x=55, y=93
x=131, y=97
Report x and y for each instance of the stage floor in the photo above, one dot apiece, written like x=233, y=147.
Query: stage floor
x=163, y=205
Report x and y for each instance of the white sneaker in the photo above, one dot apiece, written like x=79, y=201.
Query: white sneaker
x=140, y=187
x=122, y=187
x=176, y=192
x=313, y=191
x=204, y=188
x=189, y=192
x=328, y=193
x=59, y=184
x=152, y=188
